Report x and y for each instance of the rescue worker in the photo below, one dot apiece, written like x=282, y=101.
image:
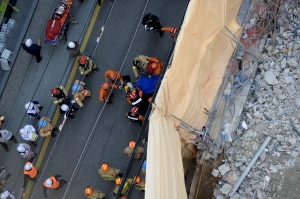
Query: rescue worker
x=129, y=150
x=54, y=182
x=73, y=48
x=86, y=65
x=79, y=91
x=151, y=22
x=134, y=115
x=46, y=128
x=143, y=171
x=144, y=63
x=125, y=187
x=68, y=109
x=172, y=30
x=108, y=173
x=138, y=183
x=105, y=90
x=29, y=133
x=155, y=68
x=114, y=75
x=33, y=109
x=25, y=151
x=94, y=194
x=30, y=172
x=134, y=97
x=59, y=95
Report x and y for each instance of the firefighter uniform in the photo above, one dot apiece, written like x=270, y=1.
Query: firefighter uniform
x=58, y=99
x=139, y=186
x=144, y=63
x=96, y=195
x=46, y=130
x=104, y=92
x=81, y=93
x=135, y=117
x=134, y=97
x=88, y=67
x=125, y=187
x=138, y=153
x=111, y=174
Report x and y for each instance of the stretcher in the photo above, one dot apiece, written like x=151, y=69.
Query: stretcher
x=58, y=25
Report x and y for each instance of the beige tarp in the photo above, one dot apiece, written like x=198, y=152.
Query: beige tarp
x=190, y=85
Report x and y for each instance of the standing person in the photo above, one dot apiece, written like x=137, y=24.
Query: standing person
x=138, y=183
x=86, y=65
x=3, y=176
x=94, y=194
x=29, y=133
x=54, y=182
x=68, y=109
x=73, y=48
x=134, y=116
x=114, y=75
x=129, y=150
x=144, y=63
x=59, y=95
x=151, y=22
x=33, y=109
x=46, y=128
x=25, y=151
x=7, y=195
x=30, y=172
x=105, y=90
x=33, y=49
x=80, y=91
x=125, y=187
x=108, y=173
x=6, y=135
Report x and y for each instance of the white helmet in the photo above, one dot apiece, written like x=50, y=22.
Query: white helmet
x=129, y=85
x=21, y=148
x=27, y=166
x=23, y=131
x=28, y=42
x=4, y=195
x=49, y=182
x=29, y=105
x=64, y=107
x=71, y=44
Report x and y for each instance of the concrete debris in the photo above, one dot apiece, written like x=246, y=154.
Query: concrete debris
x=224, y=168
x=215, y=172
x=226, y=189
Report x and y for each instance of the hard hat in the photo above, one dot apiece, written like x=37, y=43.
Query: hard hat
x=105, y=167
x=75, y=87
x=20, y=148
x=135, y=63
x=27, y=166
x=82, y=60
x=154, y=65
x=137, y=179
x=118, y=181
x=49, y=182
x=144, y=165
x=4, y=195
x=28, y=42
x=71, y=44
x=23, y=131
x=135, y=109
x=55, y=91
x=64, y=107
x=29, y=105
x=173, y=31
x=105, y=85
x=132, y=144
x=88, y=190
x=42, y=123
x=129, y=85
x=132, y=95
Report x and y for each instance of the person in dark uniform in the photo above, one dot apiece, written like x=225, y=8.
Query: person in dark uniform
x=151, y=22
x=134, y=115
x=33, y=49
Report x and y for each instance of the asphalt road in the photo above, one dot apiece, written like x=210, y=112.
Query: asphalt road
x=100, y=132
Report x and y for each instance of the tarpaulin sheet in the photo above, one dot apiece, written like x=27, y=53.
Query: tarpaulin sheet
x=190, y=85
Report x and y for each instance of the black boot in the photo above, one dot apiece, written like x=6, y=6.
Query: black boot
x=53, y=134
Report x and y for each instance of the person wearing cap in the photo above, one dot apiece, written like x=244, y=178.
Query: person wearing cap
x=138, y=183
x=134, y=97
x=138, y=152
x=144, y=63
x=59, y=95
x=105, y=91
x=80, y=91
x=86, y=65
x=125, y=187
x=54, y=182
x=5, y=136
x=25, y=151
x=68, y=109
x=114, y=75
x=30, y=172
x=134, y=115
x=7, y=195
x=33, y=49
x=151, y=22
x=46, y=128
x=93, y=194
x=108, y=173
x=33, y=109
x=73, y=48
x=28, y=133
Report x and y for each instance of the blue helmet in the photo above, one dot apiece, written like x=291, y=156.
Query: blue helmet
x=75, y=87
x=144, y=165
x=42, y=123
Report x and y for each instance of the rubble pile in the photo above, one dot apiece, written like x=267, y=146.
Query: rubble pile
x=272, y=108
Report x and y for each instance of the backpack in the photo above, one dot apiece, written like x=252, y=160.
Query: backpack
x=52, y=29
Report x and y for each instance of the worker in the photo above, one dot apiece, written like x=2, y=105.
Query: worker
x=30, y=172
x=114, y=75
x=80, y=91
x=68, y=109
x=73, y=48
x=143, y=171
x=151, y=22
x=59, y=95
x=134, y=97
x=28, y=133
x=25, y=151
x=46, y=128
x=86, y=65
x=125, y=187
x=172, y=30
x=109, y=173
x=138, y=183
x=134, y=115
x=105, y=91
x=144, y=63
x=155, y=68
x=54, y=182
x=129, y=150
x=94, y=194
x=33, y=109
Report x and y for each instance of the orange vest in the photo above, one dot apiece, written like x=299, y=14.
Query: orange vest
x=54, y=185
x=32, y=173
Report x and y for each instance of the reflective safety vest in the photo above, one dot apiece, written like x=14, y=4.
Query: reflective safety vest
x=136, y=100
x=125, y=188
x=54, y=185
x=108, y=177
x=32, y=172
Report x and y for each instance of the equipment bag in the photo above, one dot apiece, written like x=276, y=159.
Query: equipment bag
x=52, y=29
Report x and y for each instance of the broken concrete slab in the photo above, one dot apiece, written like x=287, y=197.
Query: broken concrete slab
x=224, y=168
x=226, y=189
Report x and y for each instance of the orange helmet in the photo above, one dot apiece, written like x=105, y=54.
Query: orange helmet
x=173, y=32
x=82, y=60
x=132, y=95
x=88, y=190
x=55, y=91
x=135, y=109
x=123, y=197
x=105, y=85
x=137, y=179
x=105, y=167
x=132, y=144
x=118, y=181
x=154, y=65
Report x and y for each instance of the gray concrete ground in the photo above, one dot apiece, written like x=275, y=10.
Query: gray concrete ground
x=99, y=134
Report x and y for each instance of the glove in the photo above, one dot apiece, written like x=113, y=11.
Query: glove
x=73, y=101
x=120, y=87
x=147, y=27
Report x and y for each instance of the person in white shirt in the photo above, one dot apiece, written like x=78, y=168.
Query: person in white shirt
x=25, y=151
x=29, y=133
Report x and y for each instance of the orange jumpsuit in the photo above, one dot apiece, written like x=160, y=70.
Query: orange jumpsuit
x=103, y=93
